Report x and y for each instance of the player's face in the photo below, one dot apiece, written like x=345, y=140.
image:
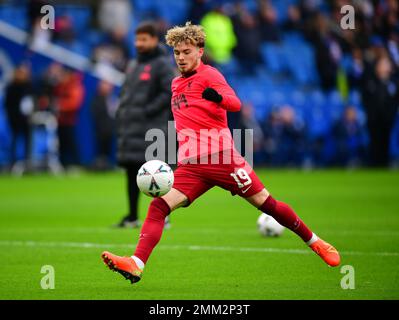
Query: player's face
x=144, y=42
x=187, y=56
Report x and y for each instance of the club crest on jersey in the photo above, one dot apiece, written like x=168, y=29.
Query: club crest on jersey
x=146, y=74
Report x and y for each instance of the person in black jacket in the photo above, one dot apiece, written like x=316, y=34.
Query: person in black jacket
x=380, y=95
x=144, y=105
x=19, y=106
x=103, y=109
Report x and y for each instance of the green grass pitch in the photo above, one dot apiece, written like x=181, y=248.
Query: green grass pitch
x=212, y=251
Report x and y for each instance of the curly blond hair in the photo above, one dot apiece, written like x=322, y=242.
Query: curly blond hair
x=189, y=32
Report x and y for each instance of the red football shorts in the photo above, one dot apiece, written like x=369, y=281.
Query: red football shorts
x=238, y=177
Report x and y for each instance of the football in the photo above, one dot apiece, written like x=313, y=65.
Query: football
x=155, y=178
x=268, y=226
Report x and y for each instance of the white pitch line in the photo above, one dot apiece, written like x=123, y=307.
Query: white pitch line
x=184, y=247
x=247, y=231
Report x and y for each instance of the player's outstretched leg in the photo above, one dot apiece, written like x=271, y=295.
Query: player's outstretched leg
x=132, y=267
x=289, y=219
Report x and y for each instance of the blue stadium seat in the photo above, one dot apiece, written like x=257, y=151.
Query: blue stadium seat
x=80, y=16
x=316, y=115
x=293, y=37
x=355, y=99
x=394, y=146
x=14, y=15
x=335, y=104
x=143, y=5
x=4, y=134
x=273, y=57
x=173, y=11
x=251, y=5
x=230, y=68
x=78, y=47
x=281, y=7
x=92, y=37
x=259, y=100
x=277, y=98
x=297, y=99
x=299, y=57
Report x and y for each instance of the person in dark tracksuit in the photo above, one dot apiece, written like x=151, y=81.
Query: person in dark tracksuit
x=144, y=105
x=17, y=95
x=381, y=101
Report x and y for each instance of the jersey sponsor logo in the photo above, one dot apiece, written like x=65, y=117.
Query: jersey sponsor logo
x=179, y=101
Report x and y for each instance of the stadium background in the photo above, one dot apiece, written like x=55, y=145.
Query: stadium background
x=65, y=221
x=289, y=61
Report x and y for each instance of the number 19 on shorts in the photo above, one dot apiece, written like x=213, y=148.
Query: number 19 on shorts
x=242, y=178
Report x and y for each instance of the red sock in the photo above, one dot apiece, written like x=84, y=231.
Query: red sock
x=286, y=217
x=151, y=231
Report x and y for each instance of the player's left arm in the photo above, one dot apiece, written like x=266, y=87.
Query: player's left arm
x=220, y=92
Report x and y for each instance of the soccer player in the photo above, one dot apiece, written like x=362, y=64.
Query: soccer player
x=200, y=99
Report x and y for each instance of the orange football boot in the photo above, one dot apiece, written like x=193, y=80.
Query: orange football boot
x=327, y=252
x=124, y=265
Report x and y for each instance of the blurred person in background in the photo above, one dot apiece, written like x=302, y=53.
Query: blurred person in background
x=221, y=38
x=69, y=93
x=380, y=94
x=44, y=117
x=64, y=31
x=45, y=88
x=249, y=121
x=327, y=51
x=387, y=17
x=33, y=11
x=268, y=24
x=114, y=14
x=103, y=108
x=393, y=47
x=242, y=120
x=113, y=50
x=38, y=36
x=144, y=105
x=198, y=9
x=249, y=39
x=284, y=137
x=294, y=22
x=19, y=105
x=349, y=136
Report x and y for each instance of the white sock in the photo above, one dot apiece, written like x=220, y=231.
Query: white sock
x=313, y=239
x=138, y=261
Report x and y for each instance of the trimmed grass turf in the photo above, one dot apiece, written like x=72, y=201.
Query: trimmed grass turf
x=212, y=251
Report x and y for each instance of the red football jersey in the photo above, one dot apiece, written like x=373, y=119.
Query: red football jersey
x=201, y=125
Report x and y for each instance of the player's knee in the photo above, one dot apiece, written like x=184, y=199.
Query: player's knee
x=175, y=199
x=258, y=199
